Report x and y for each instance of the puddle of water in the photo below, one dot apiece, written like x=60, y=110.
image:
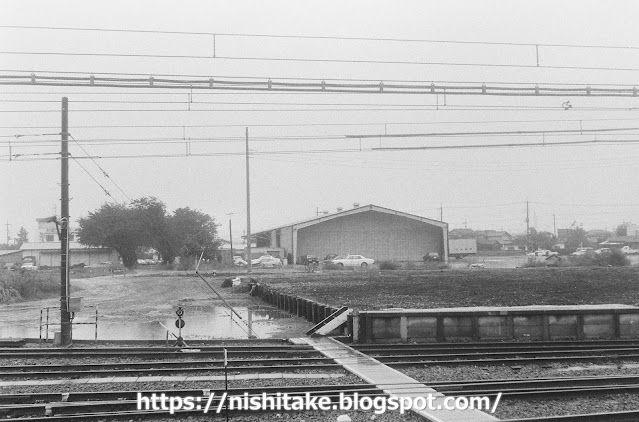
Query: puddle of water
x=202, y=323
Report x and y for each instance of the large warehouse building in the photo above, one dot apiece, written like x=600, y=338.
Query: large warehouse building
x=375, y=232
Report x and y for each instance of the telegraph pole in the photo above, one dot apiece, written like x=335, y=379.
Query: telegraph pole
x=527, y=220
x=441, y=212
x=554, y=225
x=231, y=234
x=248, y=209
x=65, y=315
x=8, y=238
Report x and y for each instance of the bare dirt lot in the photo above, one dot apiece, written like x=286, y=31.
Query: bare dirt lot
x=143, y=307
x=452, y=288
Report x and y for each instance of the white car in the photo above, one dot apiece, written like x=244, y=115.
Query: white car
x=581, y=251
x=352, y=261
x=28, y=266
x=629, y=251
x=265, y=261
x=542, y=253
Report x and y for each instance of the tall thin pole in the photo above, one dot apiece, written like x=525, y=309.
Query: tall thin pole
x=231, y=235
x=65, y=315
x=248, y=208
x=441, y=212
x=554, y=225
x=527, y=219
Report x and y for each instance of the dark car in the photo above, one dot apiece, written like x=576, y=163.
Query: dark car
x=310, y=259
x=329, y=257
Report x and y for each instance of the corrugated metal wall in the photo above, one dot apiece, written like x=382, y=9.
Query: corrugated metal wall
x=373, y=234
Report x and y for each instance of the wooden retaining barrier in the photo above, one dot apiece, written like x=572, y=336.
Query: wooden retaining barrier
x=299, y=306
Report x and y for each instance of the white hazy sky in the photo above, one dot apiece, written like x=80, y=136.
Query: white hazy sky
x=596, y=185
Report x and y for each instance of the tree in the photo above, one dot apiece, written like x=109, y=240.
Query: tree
x=23, y=236
x=193, y=232
x=112, y=226
x=576, y=237
x=622, y=229
x=541, y=240
x=145, y=223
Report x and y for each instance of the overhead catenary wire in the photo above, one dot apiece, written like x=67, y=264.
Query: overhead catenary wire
x=275, y=85
x=313, y=60
x=321, y=37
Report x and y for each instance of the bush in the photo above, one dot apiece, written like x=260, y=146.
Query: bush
x=615, y=258
x=331, y=266
x=15, y=286
x=388, y=265
x=410, y=265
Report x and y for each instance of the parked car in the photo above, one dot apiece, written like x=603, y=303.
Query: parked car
x=581, y=251
x=603, y=251
x=28, y=266
x=542, y=253
x=432, y=256
x=328, y=258
x=266, y=261
x=352, y=261
x=141, y=261
x=629, y=251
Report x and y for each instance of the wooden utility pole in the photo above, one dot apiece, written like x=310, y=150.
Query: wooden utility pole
x=441, y=212
x=231, y=235
x=554, y=225
x=65, y=315
x=248, y=209
x=527, y=220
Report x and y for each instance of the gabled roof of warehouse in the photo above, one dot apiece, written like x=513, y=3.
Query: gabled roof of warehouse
x=364, y=208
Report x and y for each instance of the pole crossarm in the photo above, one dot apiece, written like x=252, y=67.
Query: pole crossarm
x=271, y=85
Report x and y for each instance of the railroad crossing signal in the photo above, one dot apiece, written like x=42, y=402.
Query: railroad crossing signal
x=179, y=323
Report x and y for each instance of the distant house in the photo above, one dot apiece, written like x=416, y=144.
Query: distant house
x=48, y=254
x=47, y=251
x=10, y=256
x=632, y=241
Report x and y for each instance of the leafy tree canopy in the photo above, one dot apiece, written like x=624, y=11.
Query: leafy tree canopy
x=145, y=223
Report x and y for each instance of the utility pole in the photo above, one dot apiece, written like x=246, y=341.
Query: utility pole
x=527, y=220
x=8, y=238
x=231, y=234
x=248, y=209
x=554, y=225
x=65, y=315
x=441, y=212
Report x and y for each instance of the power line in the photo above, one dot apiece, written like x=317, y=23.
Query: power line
x=292, y=78
x=310, y=60
x=357, y=150
x=513, y=132
x=318, y=37
x=328, y=124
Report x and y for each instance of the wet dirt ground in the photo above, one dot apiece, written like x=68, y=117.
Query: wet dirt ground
x=142, y=307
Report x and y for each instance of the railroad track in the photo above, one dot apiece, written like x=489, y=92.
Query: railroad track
x=168, y=367
x=155, y=352
x=123, y=404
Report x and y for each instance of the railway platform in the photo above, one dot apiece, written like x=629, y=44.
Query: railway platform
x=391, y=381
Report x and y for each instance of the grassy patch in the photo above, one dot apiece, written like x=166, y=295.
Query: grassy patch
x=31, y=285
x=450, y=288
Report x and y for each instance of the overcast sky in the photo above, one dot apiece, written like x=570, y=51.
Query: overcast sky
x=593, y=185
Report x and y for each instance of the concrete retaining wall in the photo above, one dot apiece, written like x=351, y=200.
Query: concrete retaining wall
x=497, y=324
x=524, y=323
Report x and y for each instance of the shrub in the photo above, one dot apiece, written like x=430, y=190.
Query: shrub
x=331, y=266
x=615, y=258
x=388, y=265
x=410, y=265
x=16, y=286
